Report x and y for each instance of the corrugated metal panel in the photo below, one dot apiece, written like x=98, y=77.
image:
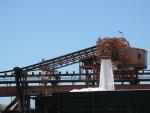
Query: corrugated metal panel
x=137, y=58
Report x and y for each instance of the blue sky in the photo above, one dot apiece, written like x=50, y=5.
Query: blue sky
x=34, y=29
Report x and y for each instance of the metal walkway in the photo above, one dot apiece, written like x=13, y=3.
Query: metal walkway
x=61, y=61
x=39, y=82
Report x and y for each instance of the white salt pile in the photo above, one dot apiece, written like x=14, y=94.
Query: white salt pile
x=106, y=75
x=106, y=78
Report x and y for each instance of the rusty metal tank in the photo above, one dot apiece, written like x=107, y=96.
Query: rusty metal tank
x=122, y=55
x=137, y=58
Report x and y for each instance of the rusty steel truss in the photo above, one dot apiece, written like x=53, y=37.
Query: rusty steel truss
x=44, y=78
x=45, y=74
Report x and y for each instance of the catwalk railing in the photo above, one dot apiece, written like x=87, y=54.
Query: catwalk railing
x=57, y=81
x=72, y=79
x=65, y=82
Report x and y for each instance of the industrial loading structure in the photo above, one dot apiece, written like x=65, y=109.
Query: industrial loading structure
x=50, y=88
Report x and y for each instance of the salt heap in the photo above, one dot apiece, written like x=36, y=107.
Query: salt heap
x=106, y=78
x=106, y=75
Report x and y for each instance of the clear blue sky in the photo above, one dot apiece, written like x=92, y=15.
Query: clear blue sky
x=34, y=29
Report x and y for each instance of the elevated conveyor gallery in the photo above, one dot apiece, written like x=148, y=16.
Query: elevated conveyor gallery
x=44, y=79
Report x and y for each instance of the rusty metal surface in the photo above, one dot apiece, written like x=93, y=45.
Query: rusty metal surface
x=137, y=58
x=44, y=76
x=60, y=61
x=121, y=54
